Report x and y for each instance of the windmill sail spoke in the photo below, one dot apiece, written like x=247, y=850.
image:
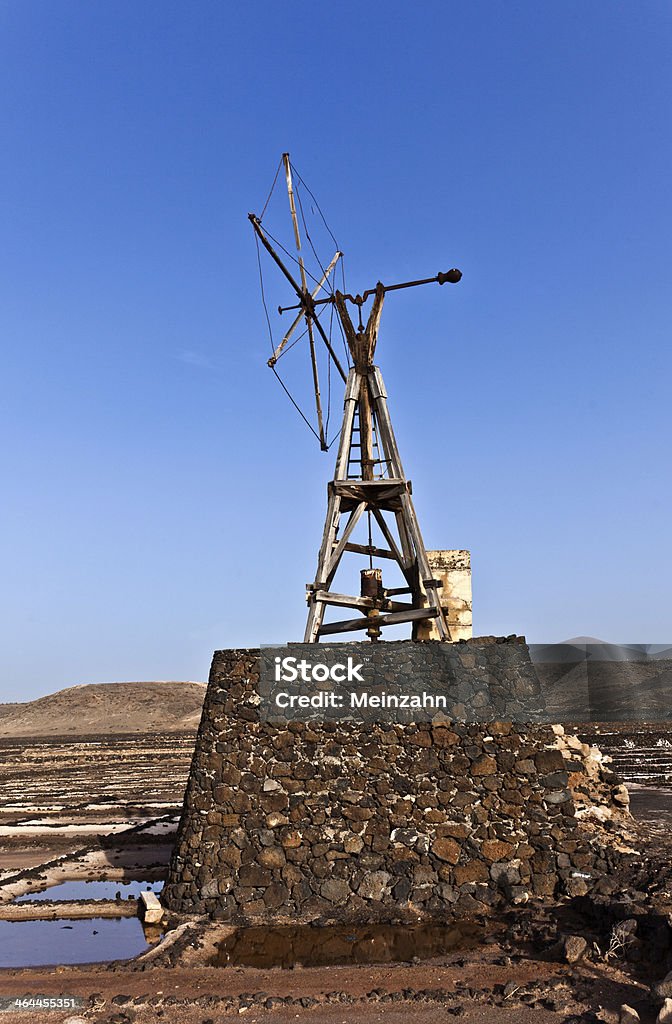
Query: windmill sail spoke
x=295, y=222
x=256, y=224
x=292, y=206
x=316, y=385
x=330, y=349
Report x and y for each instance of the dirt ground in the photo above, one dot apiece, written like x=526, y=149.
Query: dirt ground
x=129, y=790
x=471, y=989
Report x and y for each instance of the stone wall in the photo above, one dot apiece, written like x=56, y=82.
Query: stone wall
x=317, y=821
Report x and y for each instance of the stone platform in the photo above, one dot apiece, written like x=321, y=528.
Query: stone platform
x=363, y=821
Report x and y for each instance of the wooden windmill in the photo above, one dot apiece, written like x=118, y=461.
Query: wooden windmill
x=369, y=479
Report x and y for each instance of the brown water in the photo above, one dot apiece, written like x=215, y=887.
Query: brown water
x=310, y=946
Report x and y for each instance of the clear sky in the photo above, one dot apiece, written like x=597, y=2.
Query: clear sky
x=160, y=497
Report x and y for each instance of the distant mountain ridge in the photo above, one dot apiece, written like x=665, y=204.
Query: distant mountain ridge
x=107, y=708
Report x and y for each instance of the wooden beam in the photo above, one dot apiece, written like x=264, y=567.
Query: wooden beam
x=386, y=486
x=393, y=619
x=387, y=534
x=423, y=565
x=340, y=547
x=348, y=327
x=384, y=423
x=406, y=545
x=373, y=322
x=327, y=597
x=383, y=494
x=411, y=615
x=370, y=549
x=365, y=430
x=315, y=610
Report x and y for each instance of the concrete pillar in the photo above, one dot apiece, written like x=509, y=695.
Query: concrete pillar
x=453, y=568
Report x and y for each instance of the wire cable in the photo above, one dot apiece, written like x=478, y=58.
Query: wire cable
x=316, y=204
x=310, y=242
x=291, y=257
x=271, y=192
x=304, y=418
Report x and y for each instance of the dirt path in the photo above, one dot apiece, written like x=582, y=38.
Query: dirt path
x=476, y=989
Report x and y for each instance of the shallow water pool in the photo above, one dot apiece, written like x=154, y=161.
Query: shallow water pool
x=97, y=890
x=312, y=946
x=47, y=943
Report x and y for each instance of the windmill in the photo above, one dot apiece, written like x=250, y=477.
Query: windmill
x=369, y=479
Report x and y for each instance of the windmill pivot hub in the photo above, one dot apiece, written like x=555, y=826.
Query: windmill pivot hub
x=451, y=276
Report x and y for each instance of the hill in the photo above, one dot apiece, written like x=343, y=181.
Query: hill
x=91, y=709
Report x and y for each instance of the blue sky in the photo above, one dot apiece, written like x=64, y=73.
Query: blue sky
x=155, y=481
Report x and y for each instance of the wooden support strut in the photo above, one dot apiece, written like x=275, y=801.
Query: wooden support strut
x=407, y=517
x=316, y=608
x=357, y=495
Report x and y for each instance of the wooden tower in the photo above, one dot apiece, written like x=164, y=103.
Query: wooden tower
x=369, y=480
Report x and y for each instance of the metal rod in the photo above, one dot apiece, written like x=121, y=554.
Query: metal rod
x=450, y=276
